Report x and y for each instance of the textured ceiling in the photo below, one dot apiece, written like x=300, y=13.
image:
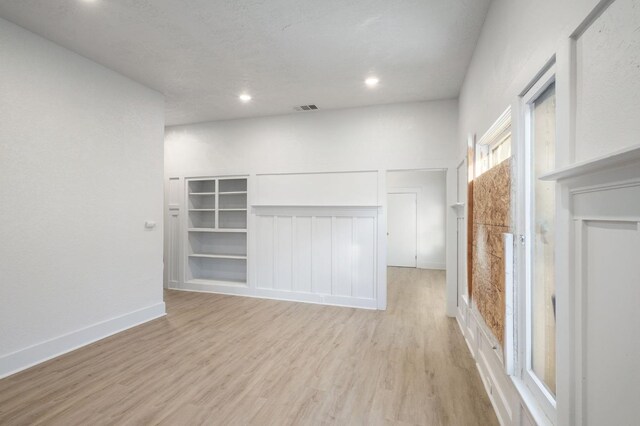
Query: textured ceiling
x=202, y=53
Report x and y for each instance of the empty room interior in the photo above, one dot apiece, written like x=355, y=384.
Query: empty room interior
x=364, y=212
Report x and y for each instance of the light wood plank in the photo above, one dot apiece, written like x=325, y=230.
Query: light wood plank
x=231, y=360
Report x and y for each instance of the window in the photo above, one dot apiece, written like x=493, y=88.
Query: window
x=495, y=146
x=501, y=150
x=536, y=317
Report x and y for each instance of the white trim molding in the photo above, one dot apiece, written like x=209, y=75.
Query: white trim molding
x=613, y=160
x=502, y=124
x=20, y=360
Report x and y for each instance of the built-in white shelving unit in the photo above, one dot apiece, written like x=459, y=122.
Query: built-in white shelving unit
x=216, y=238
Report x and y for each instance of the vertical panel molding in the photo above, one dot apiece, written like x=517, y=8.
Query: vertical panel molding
x=332, y=255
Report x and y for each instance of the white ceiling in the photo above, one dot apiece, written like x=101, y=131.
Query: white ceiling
x=203, y=53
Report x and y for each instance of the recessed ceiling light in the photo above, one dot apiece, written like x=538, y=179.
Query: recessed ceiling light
x=372, y=81
x=89, y=1
x=245, y=97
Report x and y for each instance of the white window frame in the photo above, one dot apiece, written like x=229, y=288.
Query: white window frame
x=494, y=137
x=523, y=342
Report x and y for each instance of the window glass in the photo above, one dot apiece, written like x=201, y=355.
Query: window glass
x=543, y=306
x=501, y=150
x=493, y=152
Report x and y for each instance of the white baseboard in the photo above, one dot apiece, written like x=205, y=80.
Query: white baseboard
x=28, y=357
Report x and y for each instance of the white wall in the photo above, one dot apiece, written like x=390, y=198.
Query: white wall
x=81, y=170
x=399, y=136
x=608, y=82
x=432, y=199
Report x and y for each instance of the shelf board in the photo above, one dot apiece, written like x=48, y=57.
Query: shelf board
x=623, y=157
x=232, y=210
x=217, y=282
x=232, y=192
x=218, y=256
x=202, y=210
x=202, y=193
x=216, y=230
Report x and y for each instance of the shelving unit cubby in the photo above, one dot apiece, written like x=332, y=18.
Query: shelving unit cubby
x=216, y=251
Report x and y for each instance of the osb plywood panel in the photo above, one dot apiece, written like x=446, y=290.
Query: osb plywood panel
x=471, y=147
x=492, y=196
x=491, y=218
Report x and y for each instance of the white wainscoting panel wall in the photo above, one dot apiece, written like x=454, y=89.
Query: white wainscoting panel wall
x=319, y=254
x=608, y=274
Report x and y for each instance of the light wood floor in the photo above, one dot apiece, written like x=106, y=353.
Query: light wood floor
x=233, y=360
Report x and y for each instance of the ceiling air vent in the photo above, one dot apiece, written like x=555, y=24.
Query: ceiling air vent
x=306, y=108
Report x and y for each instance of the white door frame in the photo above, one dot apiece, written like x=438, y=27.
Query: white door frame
x=407, y=190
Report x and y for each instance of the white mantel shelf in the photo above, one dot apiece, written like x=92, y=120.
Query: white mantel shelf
x=620, y=158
